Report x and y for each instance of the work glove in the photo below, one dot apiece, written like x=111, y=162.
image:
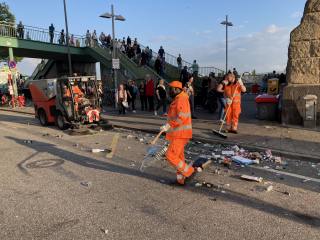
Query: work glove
x=165, y=128
x=229, y=101
x=225, y=82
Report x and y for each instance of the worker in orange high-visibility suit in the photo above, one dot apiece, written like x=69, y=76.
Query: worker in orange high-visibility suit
x=232, y=91
x=178, y=131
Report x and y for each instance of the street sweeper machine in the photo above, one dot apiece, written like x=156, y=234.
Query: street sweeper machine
x=67, y=101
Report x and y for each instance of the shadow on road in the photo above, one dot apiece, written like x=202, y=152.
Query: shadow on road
x=231, y=196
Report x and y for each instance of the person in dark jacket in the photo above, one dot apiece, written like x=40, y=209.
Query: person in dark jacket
x=161, y=95
x=144, y=58
x=184, y=76
x=143, y=97
x=157, y=65
x=161, y=52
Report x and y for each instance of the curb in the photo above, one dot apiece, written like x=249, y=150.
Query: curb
x=16, y=111
x=285, y=154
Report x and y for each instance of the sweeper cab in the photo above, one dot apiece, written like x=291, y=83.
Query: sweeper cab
x=67, y=101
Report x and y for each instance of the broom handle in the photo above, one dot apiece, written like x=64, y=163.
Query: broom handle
x=154, y=141
x=225, y=115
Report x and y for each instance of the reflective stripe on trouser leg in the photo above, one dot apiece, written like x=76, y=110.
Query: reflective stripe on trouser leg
x=175, y=155
x=185, y=169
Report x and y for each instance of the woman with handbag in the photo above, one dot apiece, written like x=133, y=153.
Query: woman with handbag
x=122, y=99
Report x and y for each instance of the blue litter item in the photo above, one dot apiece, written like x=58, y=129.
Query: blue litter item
x=242, y=160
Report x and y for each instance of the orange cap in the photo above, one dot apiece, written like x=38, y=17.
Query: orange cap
x=176, y=84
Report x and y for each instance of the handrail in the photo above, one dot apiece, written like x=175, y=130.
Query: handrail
x=42, y=35
x=172, y=60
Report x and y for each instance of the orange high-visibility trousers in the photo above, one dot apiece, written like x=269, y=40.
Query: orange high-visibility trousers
x=232, y=117
x=175, y=156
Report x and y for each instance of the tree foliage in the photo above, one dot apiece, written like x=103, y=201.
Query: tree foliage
x=5, y=15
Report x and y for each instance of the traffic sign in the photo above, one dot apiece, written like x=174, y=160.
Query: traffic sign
x=12, y=64
x=115, y=63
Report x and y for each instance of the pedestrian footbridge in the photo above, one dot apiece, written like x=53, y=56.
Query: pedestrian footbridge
x=36, y=43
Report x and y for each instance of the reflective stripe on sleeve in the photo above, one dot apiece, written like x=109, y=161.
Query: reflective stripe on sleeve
x=184, y=114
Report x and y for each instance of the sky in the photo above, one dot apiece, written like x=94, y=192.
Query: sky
x=258, y=40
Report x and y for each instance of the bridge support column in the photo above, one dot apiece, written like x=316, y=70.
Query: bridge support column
x=13, y=75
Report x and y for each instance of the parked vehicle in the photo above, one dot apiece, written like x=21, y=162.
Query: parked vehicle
x=67, y=102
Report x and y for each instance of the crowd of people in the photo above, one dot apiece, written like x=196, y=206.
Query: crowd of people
x=153, y=97
x=143, y=57
x=131, y=48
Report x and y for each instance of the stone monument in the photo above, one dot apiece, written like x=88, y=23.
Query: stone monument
x=303, y=69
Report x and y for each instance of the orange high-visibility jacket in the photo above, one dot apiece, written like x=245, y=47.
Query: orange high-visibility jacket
x=76, y=90
x=179, y=118
x=231, y=89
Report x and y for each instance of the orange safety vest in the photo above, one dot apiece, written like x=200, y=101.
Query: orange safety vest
x=179, y=118
x=76, y=90
x=233, y=91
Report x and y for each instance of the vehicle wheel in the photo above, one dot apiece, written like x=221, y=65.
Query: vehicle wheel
x=61, y=122
x=42, y=117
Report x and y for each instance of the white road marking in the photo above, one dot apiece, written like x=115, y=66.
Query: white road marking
x=287, y=174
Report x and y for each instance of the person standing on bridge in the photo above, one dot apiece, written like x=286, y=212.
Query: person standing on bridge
x=88, y=39
x=161, y=52
x=94, y=39
x=51, y=32
x=71, y=41
x=62, y=39
x=128, y=41
x=102, y=39
x=179, y=62
x=178, y=131
x=195, y=69
x=20, y=30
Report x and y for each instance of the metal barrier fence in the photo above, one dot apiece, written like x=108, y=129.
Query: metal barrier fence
x=39, y=35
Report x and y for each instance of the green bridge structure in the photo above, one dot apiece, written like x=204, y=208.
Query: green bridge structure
x=36, y=43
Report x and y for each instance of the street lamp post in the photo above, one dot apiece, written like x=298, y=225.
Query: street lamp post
x=114, y=48
x=67, y=37
x=227, y=24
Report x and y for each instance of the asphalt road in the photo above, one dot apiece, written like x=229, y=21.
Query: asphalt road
x=53, y=187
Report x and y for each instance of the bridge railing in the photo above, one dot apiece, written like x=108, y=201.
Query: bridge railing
x=39, y=34
x=172, y=60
